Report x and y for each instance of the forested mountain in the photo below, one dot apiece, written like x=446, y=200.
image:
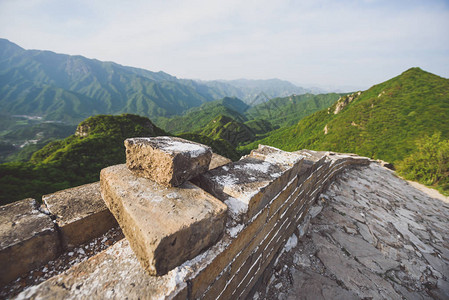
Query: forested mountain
x=289, y=110
x=264, y=117
x=226, y=128
x=198, y=117
x=78, y=159
x=75, y=160
x=388, y=121
x=70, y=88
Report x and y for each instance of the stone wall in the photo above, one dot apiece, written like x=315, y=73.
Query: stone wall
x=268, y=194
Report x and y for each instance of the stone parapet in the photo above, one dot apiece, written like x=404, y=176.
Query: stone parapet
x=80, y=214
x=28, y=239
x=268, y=194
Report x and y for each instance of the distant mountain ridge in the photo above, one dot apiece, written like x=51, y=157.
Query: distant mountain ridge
x=70, y=88
x=254, y=92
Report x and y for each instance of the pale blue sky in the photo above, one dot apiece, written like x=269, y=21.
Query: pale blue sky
x=322, y=42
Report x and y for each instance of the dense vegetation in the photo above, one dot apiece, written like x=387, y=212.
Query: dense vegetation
x=71, y=88
x=76, y=160
x=196, y=118
x=403, y=120
x=218, y=145
x=225, y=128
x=264, y=117
x=289, y=110
x=24, y=137
x=429, y=164
x=383, y=122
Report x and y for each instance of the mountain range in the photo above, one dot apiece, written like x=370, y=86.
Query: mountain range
x=404, y=120
x=69, y=88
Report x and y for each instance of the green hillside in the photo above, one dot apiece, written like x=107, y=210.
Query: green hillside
x=289, y=110
x=196, y=118
x=71, y=88
x=218, y=145
x=78, y=159
x=384, y=122
x=75, y=160
x=226, y=128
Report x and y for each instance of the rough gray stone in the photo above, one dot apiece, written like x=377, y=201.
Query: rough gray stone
x=247, y=185
x=310, y=285
x=165, y=226
x=28, y=239
x=80, y=212
x=364, y=252
x=399, y=249
x=169, y=161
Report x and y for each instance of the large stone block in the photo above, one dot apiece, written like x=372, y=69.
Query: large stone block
x=28, y=239
x=169, y=161
x=247, y=185
x=81, y=213
x=165, y=226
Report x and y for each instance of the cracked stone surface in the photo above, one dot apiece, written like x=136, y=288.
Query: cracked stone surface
x=377, y=237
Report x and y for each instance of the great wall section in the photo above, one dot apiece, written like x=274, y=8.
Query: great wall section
x=179, y=222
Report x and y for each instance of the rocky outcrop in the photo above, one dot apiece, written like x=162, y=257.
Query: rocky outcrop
x=344, y=101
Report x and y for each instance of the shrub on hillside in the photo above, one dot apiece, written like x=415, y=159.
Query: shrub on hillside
x=429, y=164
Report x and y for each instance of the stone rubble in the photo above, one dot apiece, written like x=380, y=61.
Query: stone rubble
x=376, y=237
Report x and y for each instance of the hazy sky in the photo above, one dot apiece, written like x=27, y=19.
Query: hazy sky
x=326, y=42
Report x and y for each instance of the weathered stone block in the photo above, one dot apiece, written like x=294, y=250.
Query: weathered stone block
x=169, y=161
x=81, y=213
x=165, y=226
x=218, y=161
x=247, y=185
x=28, y=239
x=277, y=156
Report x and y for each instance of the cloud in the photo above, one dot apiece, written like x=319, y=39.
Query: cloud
x=330, y=42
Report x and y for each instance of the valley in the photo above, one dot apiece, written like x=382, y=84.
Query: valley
x=65, y=117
